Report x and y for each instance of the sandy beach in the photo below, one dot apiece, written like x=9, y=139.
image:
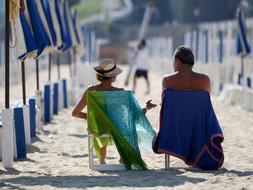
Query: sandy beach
x=58, y=157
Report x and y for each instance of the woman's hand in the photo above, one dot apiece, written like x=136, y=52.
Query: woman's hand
x=150, y=105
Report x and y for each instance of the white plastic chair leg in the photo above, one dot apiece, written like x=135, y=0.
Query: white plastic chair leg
x=90, y=147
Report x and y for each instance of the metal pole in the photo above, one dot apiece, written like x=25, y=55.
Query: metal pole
x=58, y=66
x=7, y=56
x=242, y=71
x=70, y=64
x=37, y=75
x=49, y=66
x=242, y=66
x=75, y=61
x=23, y=81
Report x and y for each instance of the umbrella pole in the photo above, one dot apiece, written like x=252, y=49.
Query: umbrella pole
x=49, y=66
x=37, y=75
x=242, y=70
x=75, y=62
x=58, y=66
x=7, y=56
x=70, y=63
x=23, y=82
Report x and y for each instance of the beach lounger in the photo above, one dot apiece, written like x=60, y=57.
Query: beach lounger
x=189, y=129
x=116, y=115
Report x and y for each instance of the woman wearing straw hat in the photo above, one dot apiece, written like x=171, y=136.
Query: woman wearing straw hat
x=107, y=72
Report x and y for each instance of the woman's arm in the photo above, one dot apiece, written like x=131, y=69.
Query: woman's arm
x=77, y=112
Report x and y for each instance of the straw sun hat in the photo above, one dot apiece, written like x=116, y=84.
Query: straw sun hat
x=108, y=68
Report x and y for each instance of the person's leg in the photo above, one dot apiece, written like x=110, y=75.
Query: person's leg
x=103, y=155
x=135, y=78
x=147, y=81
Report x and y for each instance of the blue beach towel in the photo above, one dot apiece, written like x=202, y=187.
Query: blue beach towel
x=189, y=129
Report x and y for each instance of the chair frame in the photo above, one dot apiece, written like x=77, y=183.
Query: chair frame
x=99, y=167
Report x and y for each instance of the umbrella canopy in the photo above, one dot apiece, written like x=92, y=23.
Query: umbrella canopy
x=242, y=45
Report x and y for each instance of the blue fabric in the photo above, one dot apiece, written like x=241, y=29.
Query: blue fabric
x=74, y=20
x=32, y=112
x=40, y=34
x=46, y=9
x=68, y=40
x=58, y=9
x=189, y=129
x=30, y=42
x=47, y=104
x=56, y=98
x=20, y=133
x=242, y=45
x=65, y=93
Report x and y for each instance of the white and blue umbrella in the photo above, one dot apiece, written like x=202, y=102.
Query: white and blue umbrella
x=46, y=9
x=69, y=24
x=242, y=45
x=78, y=32
x=206, y=35
x=59, y=13
x=221, y=46
x=43, y=41
x=26, y=44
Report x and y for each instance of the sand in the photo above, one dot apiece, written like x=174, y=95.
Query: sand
x=58, y=157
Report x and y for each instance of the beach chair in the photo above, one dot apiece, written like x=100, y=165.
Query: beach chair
x=117, y=115
x=189, y=130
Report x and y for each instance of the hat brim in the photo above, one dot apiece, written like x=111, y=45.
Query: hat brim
x=113, y=73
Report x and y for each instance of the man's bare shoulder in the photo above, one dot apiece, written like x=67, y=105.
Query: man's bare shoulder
x=169, y=76
x=168, y=80
x=202, y=76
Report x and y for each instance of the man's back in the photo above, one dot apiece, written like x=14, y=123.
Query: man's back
x=187, y=81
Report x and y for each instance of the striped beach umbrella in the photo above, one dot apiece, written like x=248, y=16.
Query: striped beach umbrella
x=59, y=14
x=26, y=44
x=242, y=45
x=206, y=35
x=40, y=33
x=79, y=33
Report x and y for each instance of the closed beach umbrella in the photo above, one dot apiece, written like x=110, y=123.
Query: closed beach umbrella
x=206, y=46
x=221, y=46
x=40, y=33
x=55, y=23
x=46, y=9
x=59, y=14
x=67, y=25
x=242, y=45
x=70, y=25
x=25, y=38
x=78, y=32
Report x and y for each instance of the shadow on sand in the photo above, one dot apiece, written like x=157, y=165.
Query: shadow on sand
x=165, y=178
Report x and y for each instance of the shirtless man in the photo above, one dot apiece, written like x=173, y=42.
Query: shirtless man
x=184, y=78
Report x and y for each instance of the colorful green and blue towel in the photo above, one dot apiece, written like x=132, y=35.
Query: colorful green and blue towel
x=118, y=114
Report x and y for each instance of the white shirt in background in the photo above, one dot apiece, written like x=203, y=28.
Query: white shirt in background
x=142, y=61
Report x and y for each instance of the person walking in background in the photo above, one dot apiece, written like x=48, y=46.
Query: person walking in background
x=142, y=65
